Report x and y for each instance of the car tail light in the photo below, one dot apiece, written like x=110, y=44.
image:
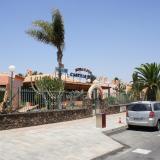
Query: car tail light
x=151, y=114
x=127, y=113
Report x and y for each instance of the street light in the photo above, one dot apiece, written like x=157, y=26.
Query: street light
x=12, y=69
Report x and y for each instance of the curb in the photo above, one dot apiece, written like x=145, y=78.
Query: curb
x=104, y=156
x=109, y=133
x=115, y=130
x=116, y=151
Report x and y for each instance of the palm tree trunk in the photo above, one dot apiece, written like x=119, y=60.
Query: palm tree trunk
x=59, y=59
x=151, y=94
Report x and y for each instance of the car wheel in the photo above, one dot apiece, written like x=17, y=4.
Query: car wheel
x=158, y=125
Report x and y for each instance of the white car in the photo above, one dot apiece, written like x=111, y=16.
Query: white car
x=143, y=113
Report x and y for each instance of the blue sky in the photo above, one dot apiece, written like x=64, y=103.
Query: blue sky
x=110, y=37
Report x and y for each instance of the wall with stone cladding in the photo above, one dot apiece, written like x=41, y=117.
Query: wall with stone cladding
x=111, y=109
x=18, y=120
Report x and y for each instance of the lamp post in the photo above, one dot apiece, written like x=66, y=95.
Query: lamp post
x=95, y=99
x=12, y=70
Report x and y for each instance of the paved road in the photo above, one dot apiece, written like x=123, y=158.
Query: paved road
x=72, y=140
x=142, y=144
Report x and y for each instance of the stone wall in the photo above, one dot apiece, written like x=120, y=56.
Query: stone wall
x=112, y=110
x=115, y=109
x=18, y=120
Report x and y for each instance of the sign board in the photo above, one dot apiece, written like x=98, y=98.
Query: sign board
x=80, y=75
x=84, y=70
x=122, y=108
x=63, y=70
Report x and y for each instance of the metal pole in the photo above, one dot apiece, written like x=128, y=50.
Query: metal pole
x=11, y=89
x=18, y=97
x=95, y=96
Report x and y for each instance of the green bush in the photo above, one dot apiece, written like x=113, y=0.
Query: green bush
x=1, y=96
x=111, y=100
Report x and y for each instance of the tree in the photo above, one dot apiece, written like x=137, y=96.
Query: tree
x=93, y=77
x=149, y=76
x=49, y=87
x=20, y=74
x=116, y=79
x=51, y=33
x=36, y=73
x=49, y=84
x=120, y=86
x=136, y=86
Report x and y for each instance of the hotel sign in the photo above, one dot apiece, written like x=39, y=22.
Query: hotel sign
x=86, y=76
x=84, y=70
x=80, y=75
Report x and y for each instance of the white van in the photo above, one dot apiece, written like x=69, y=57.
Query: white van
x=143, y=113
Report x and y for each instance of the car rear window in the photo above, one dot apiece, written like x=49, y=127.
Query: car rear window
x=139, y=107
x=157, y=106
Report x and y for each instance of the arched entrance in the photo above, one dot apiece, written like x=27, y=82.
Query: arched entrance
x=95, y=93
x=93, y=88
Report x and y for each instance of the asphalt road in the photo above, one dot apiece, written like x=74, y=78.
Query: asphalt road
x=140, y=144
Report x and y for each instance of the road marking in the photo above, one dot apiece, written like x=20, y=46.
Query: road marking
x=159, y=135
x=141, y=151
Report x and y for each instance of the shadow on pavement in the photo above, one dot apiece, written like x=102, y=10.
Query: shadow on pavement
x=144, y=129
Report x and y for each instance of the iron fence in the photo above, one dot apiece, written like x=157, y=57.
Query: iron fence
x=120, y=98
x=51, y=100
x=2, y=93
x=25, y=100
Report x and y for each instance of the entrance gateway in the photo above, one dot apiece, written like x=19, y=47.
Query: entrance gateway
x=95, y=93
x=92, y=88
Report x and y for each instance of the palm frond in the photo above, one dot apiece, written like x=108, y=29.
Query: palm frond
x=58, y=27
x=50, y=33
x=149, y=75
x=39, y=35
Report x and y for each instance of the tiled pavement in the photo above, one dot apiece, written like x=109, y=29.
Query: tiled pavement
x=74, y=140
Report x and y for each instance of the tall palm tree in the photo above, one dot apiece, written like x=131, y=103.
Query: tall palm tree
x=51, y=33
x=120, y=85
x=149, y=76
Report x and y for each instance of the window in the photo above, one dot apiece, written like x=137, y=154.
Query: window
x=157, y=107
x=139, y=107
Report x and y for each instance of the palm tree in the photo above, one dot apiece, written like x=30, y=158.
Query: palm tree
x=120, y=85
x=51, y=33
x=136, y=86
x=149, y=76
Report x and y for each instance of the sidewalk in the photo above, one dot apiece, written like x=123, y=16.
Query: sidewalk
x=73, y=140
